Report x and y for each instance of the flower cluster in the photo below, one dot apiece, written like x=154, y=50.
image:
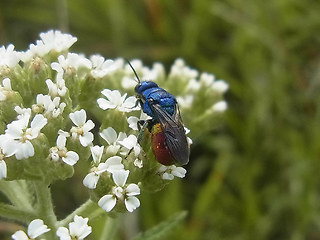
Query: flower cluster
x=78, y=229
x=58, y=108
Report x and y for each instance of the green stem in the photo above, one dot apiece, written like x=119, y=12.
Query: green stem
x=88, y=209
x=45, y=207
x=17, y=192
x=110, y=228
x=16, y=213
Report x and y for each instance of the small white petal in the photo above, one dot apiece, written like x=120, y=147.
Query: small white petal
x=63, y=233
x=120, y=177
x=167, y=176
x=86, y=139
x=107, y=93
x=25, y=150
x=9, y=147
x=129, y=142
x=114, y=163
x=132, y=203
x=129, y=103
x=132, y=190
x=39, y=121
x=104, y=104
x=179, y=172
x=91, y=180
x=63, y=133
x=78, y=117
x=88, y=126
x=133, y=122
x=20, y=235
x=71, y=158
x=61, y=141
x=37, y=228
x=107, y=202
x=109, y=135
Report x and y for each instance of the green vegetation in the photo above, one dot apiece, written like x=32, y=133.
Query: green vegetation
x=256, y=176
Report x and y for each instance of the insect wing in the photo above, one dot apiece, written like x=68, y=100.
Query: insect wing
x=175, y=137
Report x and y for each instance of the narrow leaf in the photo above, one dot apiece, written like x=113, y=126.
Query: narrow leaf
x=163, y=228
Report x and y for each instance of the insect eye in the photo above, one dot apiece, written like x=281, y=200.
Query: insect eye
x=136, y=89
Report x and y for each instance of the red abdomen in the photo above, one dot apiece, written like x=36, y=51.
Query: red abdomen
x=159, y=148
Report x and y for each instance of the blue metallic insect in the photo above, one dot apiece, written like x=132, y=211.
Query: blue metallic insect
x=169, y=141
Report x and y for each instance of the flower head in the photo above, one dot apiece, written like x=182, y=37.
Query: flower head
x=102, y=67
x=82, y=128
x=129, y=143
x=50, y=41
x=9, y=57
x=48, y=107
x=78, y=229
x=60, y=152
x=169, y=172
x=18, y=135
x=35, y=229
x=116, y=101
x=121, y=193
x=112, y=164
x=111, y=137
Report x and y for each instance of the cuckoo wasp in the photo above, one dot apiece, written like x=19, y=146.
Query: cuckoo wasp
x=169, y=141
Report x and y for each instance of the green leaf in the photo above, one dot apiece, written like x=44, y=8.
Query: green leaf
x=163, y=228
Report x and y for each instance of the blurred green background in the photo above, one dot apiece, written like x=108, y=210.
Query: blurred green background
x=257, y=175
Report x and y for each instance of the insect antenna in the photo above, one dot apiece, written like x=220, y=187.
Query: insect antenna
x=134, y=71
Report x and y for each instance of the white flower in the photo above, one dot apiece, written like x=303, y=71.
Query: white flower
x=57, y=89
x=168, y=172
x=35, y=229
x=112, y=139
x=220, y=86
x=72, y=60
x=180, y=69
x=220, y=106
x=129, y=143
x=112, y=164
x=96, y=153
x=22, y=112
x=9, y=57
x=47, y=106
x=138, y=163
x=5, y=89
x=50, y=41
x=207, y=79
x=78, y=229
x=185, y=102
x=116, y=101
x=82, y=128
x=102, y=67
x=55, y=40
x=193, y=85
x=121, y=193
x=60, y=152
x=19, y=135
